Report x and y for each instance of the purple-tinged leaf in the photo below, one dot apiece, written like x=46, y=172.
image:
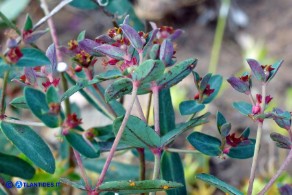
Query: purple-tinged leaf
x=243, y=107
x=166, y=52
x=281, y=140
x=35, y=36
x=30, y=75
x=126, y=20
x=239, y=85
x=88, y=45
x=257, y=70
x=285, y=189
x=112, y=51
x=276, y=67
x=282, y=118
x=104, y=39
x=175, y=34
x=133, y=36
x=51, y=54
x=149, y=41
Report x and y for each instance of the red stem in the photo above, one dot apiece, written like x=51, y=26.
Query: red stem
x=119, y=135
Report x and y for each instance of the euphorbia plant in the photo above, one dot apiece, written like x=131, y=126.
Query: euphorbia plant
x=135, y=63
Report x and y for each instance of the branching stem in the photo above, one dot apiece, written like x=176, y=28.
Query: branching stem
x=258, y=142
x=119, y=135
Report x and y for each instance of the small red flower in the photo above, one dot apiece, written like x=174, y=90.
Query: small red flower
x=13, y=55
x=256, y=109
x=267, y=99
x=234, y=141
x=208, y=91
x=83, y=58
x=90, y=134
x=70, y=122
x=48, y=83
x=244, y=78
x=26, y=34
x=54, y=108
x=73, y=44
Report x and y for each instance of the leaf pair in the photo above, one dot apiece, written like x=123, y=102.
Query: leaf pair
x=138, y=134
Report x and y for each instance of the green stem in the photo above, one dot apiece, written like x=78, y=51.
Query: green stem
x=148, y=107
x=118, y=136
x=65, y=88
x=156, y=170
x=3, y=94
x=258, y=142
x=223, y=13
x=182, y=151
x=279, y=172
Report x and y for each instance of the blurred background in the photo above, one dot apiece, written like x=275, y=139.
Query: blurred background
x=221, y=34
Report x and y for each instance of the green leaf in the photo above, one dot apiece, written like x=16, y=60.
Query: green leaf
x=220, y=120
x=149, y=70
x=120, y=9
x=81, y=35
x=243, y=107
x=110, y=74
x=16, y=167
x=134, y=187
x=12, y=8
x=104, y=133
x=78, y=86
x=28, y=25
x=79, y=144
x=84, y=4
x=171, y=135
x=172, y=170
x=243, y=151
x=210, y=179
x=116, y=171
x=276, y=67
x=215, y=82
x=31, y=144
x=137, y=133
x=177, y=73
x=52, y=95
x=225, y=129
x=166, y=112
x=32, y=57
x=205, y=81
x=190, y=107
x=206, y=144
x=76, y=184
x=105, y=146
x=19, y=102
x=118, y=89
x=37, y=103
